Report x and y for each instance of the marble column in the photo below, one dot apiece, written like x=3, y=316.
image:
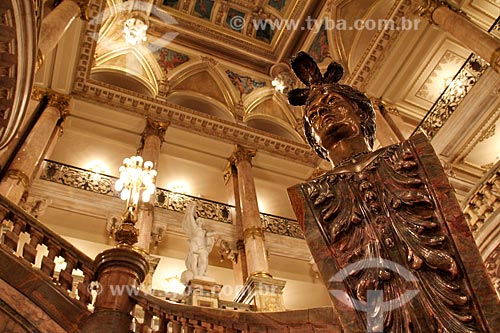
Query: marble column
x=26, y=163
x=152, y=139
x=55, y=24
x=253, y=233
x=240, y=269
x=466, y=32
x=260, y=288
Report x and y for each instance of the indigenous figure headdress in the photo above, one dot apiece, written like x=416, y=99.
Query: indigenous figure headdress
x=308, y=73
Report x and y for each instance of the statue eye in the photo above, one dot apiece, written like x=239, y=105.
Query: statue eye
x=331, y=100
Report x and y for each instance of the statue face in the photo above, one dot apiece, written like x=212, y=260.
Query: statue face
x=332, y=118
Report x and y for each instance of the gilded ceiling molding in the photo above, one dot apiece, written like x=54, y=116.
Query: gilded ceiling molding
x=373, y=56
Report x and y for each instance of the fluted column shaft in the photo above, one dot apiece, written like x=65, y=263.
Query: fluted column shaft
x=27, y=161
x=466, y=32
x=253, y=232
x=55, y=24
x=152, y=139
x=240, y=268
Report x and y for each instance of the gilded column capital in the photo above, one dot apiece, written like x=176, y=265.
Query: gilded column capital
x=428, y=7
x=242, y=154
x=155, y=128
x=55, y=100
x=83, y=4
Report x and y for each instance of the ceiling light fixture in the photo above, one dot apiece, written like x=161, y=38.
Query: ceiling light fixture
x=134, y=31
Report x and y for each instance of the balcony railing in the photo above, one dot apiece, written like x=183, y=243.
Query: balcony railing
x=103, y=184
x=155, y=315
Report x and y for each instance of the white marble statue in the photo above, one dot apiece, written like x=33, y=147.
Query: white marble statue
x=201, y=242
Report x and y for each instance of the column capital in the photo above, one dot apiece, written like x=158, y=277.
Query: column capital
x=242, y=154
x=55, y=99
x=156, y=128
x=83, y=4
x=427, y=8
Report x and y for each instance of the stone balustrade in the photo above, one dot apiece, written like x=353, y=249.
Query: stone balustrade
x=155, y=315
x=484, y=200
x=26, y=237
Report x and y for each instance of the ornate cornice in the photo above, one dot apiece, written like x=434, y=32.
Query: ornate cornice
x=243, y=154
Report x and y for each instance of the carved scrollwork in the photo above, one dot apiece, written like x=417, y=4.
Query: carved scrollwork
x=387, y=213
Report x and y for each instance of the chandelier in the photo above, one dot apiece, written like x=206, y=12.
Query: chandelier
x=134, y=31
x=136, y=184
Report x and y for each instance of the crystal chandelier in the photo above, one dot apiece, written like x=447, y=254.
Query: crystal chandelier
x=136, y=183
x=134, y=30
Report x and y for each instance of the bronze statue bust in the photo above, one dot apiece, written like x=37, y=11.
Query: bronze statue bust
x=384, y=227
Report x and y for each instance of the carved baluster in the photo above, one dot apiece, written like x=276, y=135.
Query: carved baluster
x=176, y=326
x=147, y=323
x=482, y=208
x=496, y=182
x=66, y=276
x=492, y=199
x=11, y=238
x=474, y=219
x=29, y=249
x=48, y=264
x=163, y=324
x=84, y=287
x=186, y=327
